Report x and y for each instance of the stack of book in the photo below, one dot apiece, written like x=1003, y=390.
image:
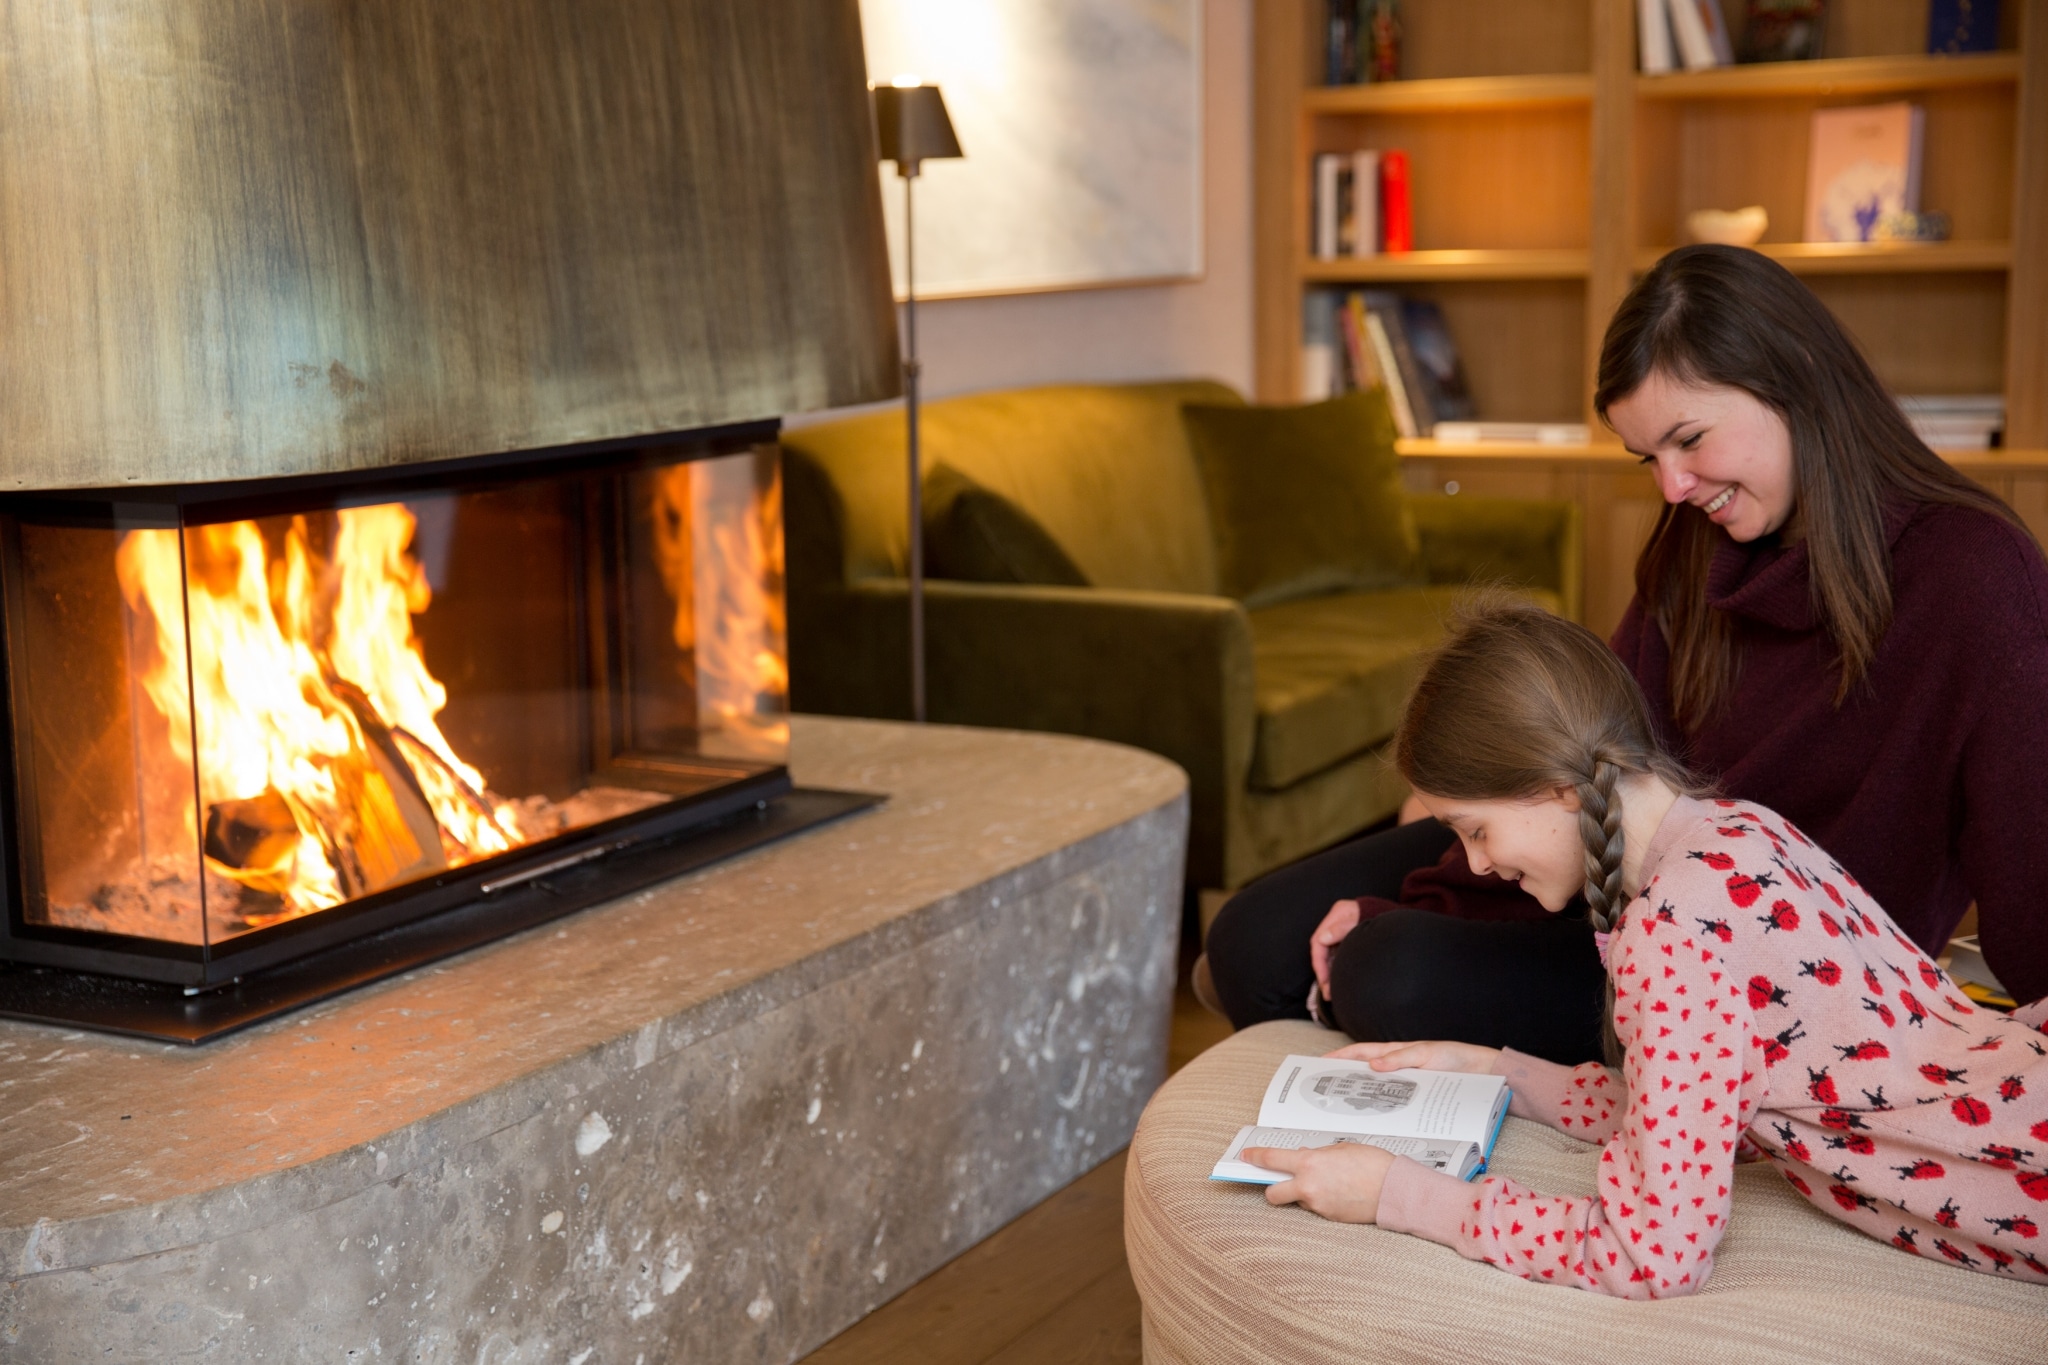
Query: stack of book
x=1362, y=205
x=1957, y=421
x=1362, y=41
x=1371, y=338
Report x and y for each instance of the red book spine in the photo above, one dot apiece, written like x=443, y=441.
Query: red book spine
x=1397, y=217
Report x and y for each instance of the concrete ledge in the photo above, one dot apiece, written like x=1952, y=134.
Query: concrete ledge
x=720, y=1119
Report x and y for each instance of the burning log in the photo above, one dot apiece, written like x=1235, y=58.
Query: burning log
x=254, y=841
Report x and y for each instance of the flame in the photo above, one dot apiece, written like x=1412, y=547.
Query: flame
x=306, y=707
x=718, y=541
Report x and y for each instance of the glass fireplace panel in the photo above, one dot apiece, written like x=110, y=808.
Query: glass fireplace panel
x=227, y=725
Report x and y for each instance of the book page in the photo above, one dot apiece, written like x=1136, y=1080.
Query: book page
x=1328, y=1094
x=1452, y=1158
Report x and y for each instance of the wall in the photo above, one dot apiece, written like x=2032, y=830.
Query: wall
x=1199, y=328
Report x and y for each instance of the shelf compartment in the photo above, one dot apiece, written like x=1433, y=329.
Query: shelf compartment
x=1872, y=258
x=1452, y=94
x=1834, y=76
x=1522, y=263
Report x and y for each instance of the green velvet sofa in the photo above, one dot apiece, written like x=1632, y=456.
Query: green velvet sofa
x=1281, y=715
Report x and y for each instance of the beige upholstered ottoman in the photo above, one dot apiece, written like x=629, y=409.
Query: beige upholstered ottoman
x=1227, y=1279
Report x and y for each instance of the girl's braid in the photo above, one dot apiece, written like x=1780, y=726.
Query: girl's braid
x=1600, y=829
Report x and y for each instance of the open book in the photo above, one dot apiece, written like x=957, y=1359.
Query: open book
x=1445, y=1120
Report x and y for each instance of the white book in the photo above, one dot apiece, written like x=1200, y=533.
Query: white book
x=1444, y=1119
x=1365, y=203
x=1383, y=358
x=1538, y=433
x=1329, y=167
x=1695, y=41
x=1653, y=37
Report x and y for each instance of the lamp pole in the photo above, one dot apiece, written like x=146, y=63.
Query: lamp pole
x=913, y=368
x=911, y=125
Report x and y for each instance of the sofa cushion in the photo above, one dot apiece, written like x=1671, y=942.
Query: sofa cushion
x=1226, y=1279
x=1305, y=499
x=1332, y=673
x=1103, y=468
x=979, y=536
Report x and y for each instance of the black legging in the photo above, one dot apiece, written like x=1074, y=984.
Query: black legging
x=1408, y=974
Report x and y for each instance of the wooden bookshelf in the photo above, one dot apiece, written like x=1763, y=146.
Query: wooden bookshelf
x=1547, y=174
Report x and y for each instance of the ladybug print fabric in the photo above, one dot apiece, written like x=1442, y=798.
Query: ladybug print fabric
x=1766, y=1007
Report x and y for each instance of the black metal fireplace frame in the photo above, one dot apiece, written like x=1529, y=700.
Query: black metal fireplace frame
x=192, y=992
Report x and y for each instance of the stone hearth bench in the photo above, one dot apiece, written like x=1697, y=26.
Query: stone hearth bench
x=1226, y=1279
x=718, y=1120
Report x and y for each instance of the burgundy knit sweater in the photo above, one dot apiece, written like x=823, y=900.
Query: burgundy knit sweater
x=1929, y=783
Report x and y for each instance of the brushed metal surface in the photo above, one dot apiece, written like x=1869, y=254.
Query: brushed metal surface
x=243, y=238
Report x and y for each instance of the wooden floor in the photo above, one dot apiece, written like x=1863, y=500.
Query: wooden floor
x=1052, y=1288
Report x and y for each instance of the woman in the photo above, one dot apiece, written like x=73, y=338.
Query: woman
x=1762, y=1005
x=1828, y=619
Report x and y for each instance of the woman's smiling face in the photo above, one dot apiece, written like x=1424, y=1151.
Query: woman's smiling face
x=1715, y=447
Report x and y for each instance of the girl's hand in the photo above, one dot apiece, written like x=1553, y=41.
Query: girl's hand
x=1341, y=920
x=1341, y=1182
x=1466, y=1057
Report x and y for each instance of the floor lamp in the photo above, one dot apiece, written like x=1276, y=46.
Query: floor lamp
x=912, y=127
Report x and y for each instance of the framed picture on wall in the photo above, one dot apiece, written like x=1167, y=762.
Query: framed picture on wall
x=1081, y=121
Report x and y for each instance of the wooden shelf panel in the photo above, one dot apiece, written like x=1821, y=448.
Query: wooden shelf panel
x=1837, y=76
x=1975, y=462
x=1538, y=263
x=1451, y=94
x=1874, y=258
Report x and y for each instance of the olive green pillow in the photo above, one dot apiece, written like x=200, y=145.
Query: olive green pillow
x=1305, y=499
x=980, y=536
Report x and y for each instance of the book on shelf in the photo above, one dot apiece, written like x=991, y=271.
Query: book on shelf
x=1962, y=26
x=1863, y=164
x=1653, y=38
x=1319, y=340
x=1361, y=41
x=1448, y=1121
x=1340, y=43
x=1783, y=30
x=1438, y=369
x=1397, y=209
x=1348, y=220
x=1521, y=433
x=1966, y=421
x=1374, y=338
x=1700, y=34
x=1329, y=205
x=1365, y=203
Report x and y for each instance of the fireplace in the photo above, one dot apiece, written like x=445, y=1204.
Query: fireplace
x=267, y=739
x=390, y=545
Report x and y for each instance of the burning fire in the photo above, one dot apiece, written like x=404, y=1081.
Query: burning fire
x=305, y=707
x=322, y=775
x=726, y=516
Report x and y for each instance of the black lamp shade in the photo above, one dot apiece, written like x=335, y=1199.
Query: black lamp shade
x=911, y=125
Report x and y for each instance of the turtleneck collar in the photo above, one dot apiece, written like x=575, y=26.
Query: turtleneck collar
x=1771, y=583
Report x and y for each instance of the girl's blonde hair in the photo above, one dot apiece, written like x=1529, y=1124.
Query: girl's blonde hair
x=1518, y=703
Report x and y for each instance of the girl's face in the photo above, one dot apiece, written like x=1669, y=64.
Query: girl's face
x=1715, y=447
x=1534, y=841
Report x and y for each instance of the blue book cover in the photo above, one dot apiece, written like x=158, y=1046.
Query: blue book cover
x=1962, y=26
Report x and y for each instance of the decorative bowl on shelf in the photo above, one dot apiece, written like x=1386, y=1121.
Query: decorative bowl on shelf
x=1728, y=227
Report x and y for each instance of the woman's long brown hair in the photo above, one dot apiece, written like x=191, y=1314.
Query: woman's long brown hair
x=1733, y=317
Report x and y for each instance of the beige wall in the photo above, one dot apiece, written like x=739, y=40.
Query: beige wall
x=1202, y=328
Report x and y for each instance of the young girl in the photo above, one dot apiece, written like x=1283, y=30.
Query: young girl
x=1761, y=1004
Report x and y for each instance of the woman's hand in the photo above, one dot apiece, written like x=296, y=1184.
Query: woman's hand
x=1341, y=920
x=1341, y=1182
x=1466, y=1057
